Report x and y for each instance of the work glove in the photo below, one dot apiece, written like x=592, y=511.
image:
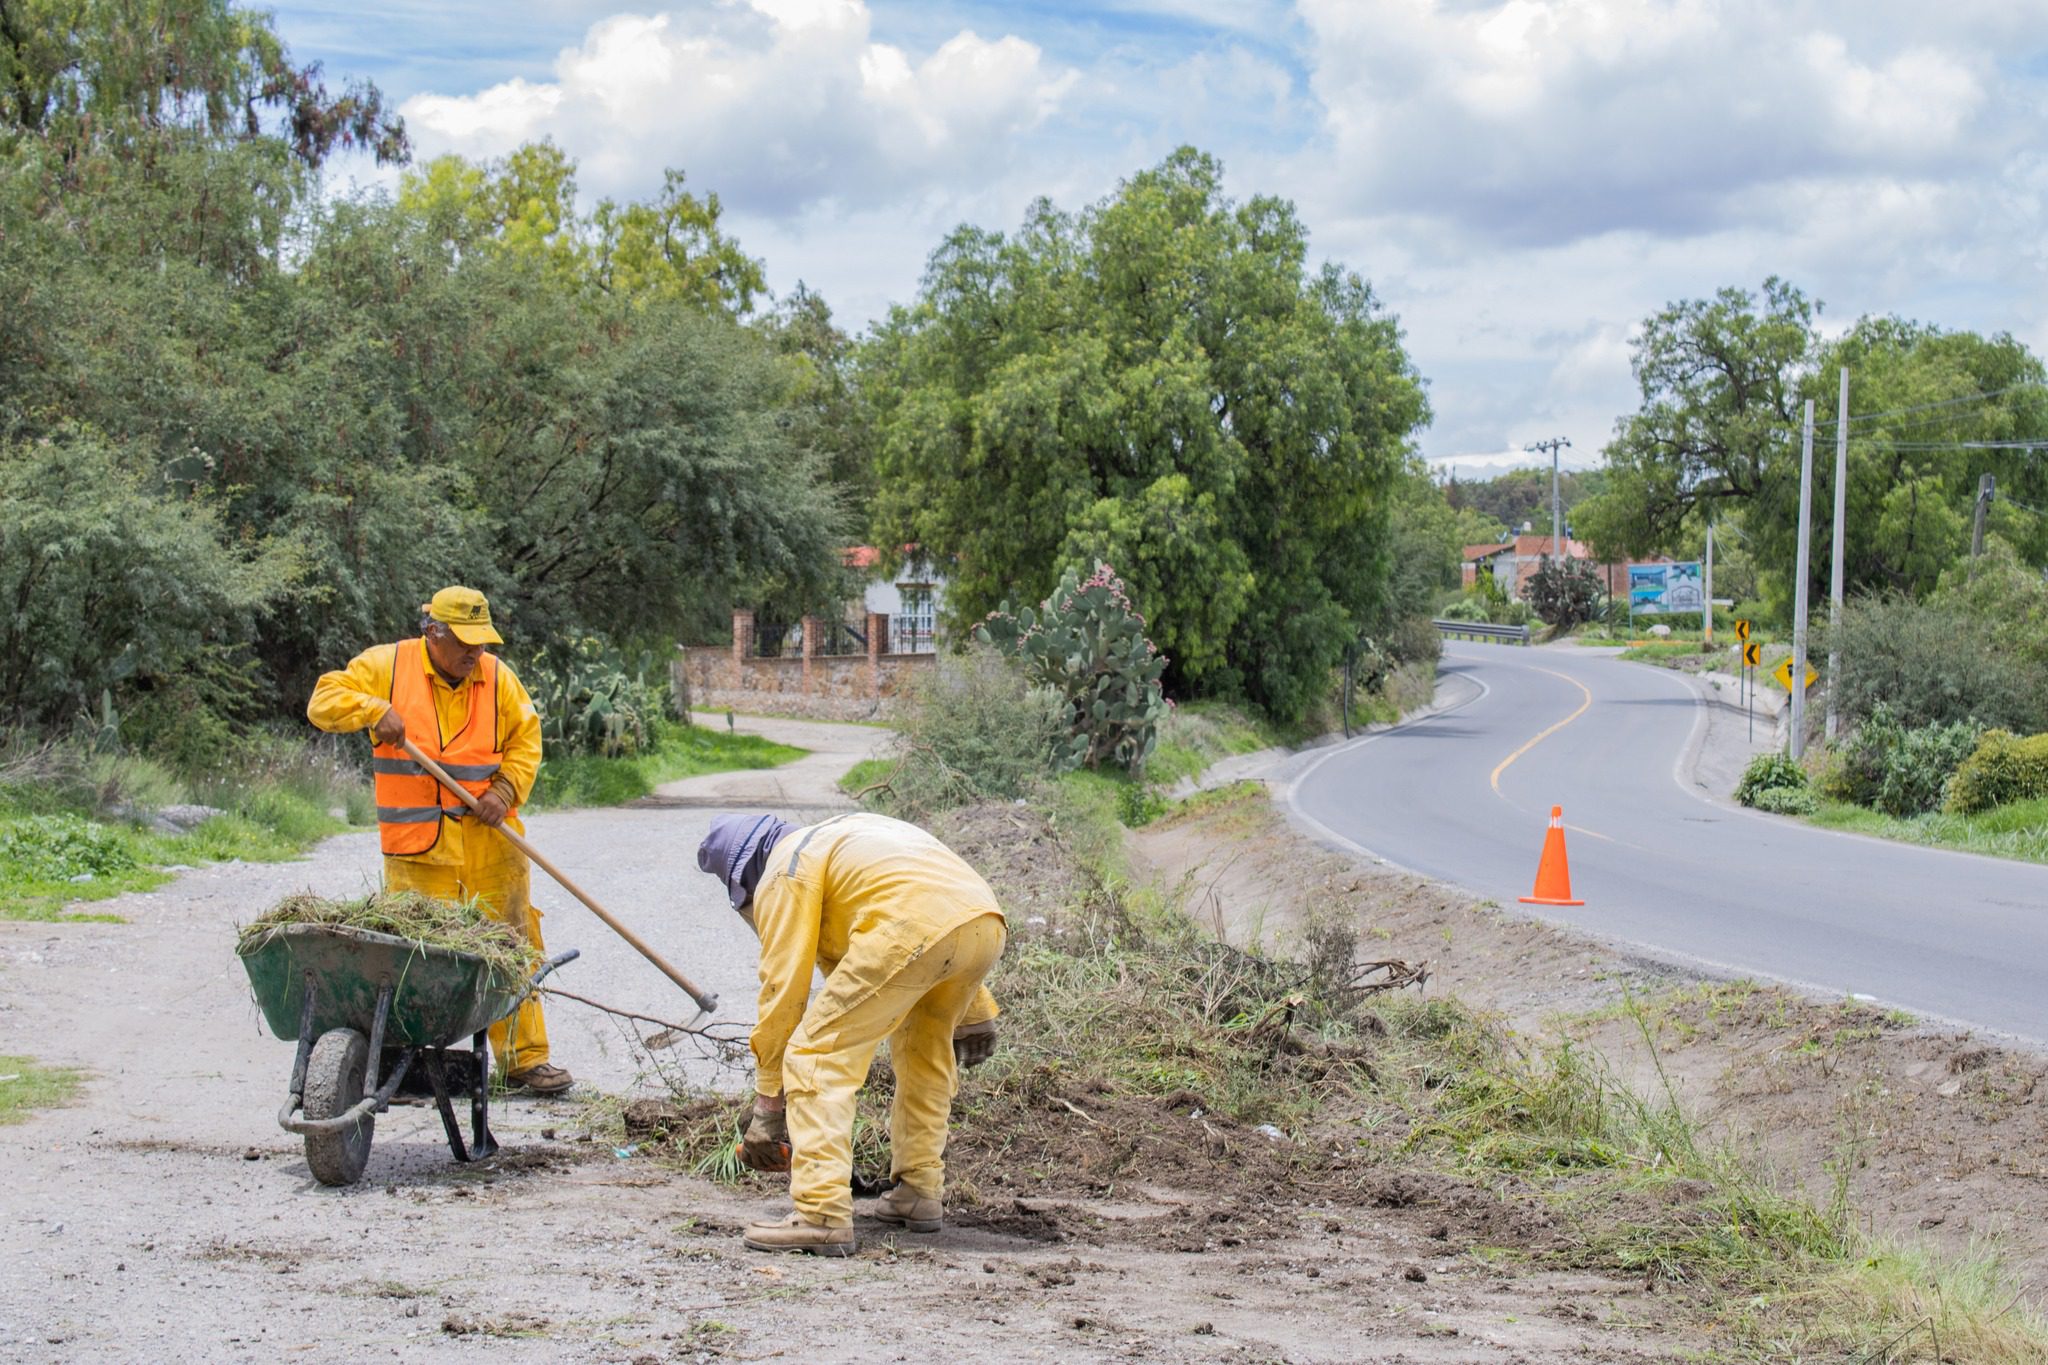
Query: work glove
x=766, y=1144
x=974, y=1044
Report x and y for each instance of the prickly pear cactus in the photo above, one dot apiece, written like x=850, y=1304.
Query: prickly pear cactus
x=1087, y=643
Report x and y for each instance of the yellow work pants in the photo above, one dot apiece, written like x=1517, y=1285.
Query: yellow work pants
x=495, y=873
x=828, y=1056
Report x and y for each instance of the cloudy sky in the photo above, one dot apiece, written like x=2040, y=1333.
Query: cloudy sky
x=1522, y=182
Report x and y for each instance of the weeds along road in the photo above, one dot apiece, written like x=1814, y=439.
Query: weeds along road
x=1464, y=795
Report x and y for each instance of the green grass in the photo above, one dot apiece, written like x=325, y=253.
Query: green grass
x=25, y=1087
x=1662, y=650
x=1199, y=733
x=866, y=773
x=679, y=751
x=2018, y=830
x=53, y=857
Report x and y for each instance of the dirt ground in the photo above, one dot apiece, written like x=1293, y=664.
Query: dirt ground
x=165, y=1217
x=1945, y=1134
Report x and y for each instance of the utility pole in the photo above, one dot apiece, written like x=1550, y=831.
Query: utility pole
x=1556, y=516
x=1835, y=583
x=1707, y=616
x=1798, y=688
x=1987, y=489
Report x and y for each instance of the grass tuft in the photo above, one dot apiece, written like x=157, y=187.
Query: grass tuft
x=26, y=1086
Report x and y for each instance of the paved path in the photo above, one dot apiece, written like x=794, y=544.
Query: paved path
x=810, y=782
x=1464, y=795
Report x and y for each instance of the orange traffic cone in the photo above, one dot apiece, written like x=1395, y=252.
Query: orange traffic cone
x=1553, y=874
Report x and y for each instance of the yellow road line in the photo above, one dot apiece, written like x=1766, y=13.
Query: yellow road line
x=1546, y=734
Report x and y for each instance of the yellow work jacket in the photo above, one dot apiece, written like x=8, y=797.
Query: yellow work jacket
x=356, y=697
x=859, y=893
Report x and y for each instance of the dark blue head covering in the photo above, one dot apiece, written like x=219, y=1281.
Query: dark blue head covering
x=736, y=850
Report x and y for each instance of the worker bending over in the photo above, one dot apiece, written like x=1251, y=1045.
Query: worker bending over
x=904, y=931
x=465, y=710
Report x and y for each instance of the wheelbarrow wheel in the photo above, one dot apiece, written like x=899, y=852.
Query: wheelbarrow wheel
x=334, y=1082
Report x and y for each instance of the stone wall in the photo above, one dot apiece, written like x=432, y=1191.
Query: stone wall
x=825, y=686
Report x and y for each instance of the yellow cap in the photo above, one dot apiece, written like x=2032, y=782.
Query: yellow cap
x=466, y=612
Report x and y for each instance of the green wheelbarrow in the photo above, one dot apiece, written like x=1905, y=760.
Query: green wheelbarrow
x=365, y=1008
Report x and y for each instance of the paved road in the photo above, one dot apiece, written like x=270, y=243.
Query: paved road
x=1464, y=795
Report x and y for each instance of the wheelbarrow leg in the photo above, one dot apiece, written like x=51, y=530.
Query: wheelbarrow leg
x=434, y=1058
x=481, y=1143
x=374, y=1080
x=298, y=1083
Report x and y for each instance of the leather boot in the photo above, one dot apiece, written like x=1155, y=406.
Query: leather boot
x=913, y=1211
x=794, y=1232
x=541, y=1080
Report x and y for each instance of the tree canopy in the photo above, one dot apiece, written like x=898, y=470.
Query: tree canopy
x=245, y=430
x=1159, y=382
x=1724, y=381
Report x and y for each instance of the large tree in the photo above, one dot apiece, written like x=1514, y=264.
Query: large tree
x=1161, y=382
x=1724, y=382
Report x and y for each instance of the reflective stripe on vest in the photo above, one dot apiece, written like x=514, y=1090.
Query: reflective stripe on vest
x=411, y=802
x=461, y=772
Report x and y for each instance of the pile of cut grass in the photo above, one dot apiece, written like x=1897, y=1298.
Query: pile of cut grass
x=425, y=921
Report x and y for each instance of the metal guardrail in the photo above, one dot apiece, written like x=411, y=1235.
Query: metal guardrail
x=1480, y=630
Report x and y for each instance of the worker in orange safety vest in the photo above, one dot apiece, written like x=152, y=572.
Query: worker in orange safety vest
x=465, y=709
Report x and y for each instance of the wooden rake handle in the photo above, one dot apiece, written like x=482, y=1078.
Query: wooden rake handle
x=705, y=1002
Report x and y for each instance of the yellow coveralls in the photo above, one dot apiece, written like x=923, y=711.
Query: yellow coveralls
x=470, y=858
x=904, y=931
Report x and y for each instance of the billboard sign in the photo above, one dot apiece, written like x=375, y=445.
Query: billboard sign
x=1654, y=589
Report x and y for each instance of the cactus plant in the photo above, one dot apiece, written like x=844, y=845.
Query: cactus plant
x=592, y=701
x=1088, y=644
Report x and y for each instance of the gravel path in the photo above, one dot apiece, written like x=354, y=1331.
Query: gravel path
x=158, y=1010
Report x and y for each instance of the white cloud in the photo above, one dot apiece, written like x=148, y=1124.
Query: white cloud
x=1522, y=180
x=1543, y=120
x=776, y=103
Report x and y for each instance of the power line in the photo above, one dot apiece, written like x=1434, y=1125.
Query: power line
x=1856, y=417
x=2039, y=444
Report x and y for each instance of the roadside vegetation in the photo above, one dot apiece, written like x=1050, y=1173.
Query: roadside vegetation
x=1945, y=740
x=83, y=821
x=1123, y=1017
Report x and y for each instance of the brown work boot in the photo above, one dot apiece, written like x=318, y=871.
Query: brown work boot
x=794, y=1232
x=541, y=1080
x=914, y=1211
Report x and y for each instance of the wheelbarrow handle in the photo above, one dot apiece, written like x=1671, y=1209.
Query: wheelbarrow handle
x=558, y=960
x=704, y=1000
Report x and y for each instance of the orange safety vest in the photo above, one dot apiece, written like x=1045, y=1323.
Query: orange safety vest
x=411, y=802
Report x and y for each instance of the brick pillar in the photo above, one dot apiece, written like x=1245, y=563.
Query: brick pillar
x=742, y=644
x=811, y=632
x=878, y=645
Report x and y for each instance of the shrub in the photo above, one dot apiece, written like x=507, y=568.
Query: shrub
x=1786, y=801
x=56, y=848
x=1088, y=645
x=1930, y=665
x=1897, y=770
x=1566, y=593
x=1468, y=607
x=973, y=729
x=1415, y=640
x=1769, y=772
x=2002, y=769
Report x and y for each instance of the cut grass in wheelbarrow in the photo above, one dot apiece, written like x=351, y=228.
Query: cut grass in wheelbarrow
x=459, y=926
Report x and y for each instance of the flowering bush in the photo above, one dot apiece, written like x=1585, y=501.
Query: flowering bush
x=1088, y=644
